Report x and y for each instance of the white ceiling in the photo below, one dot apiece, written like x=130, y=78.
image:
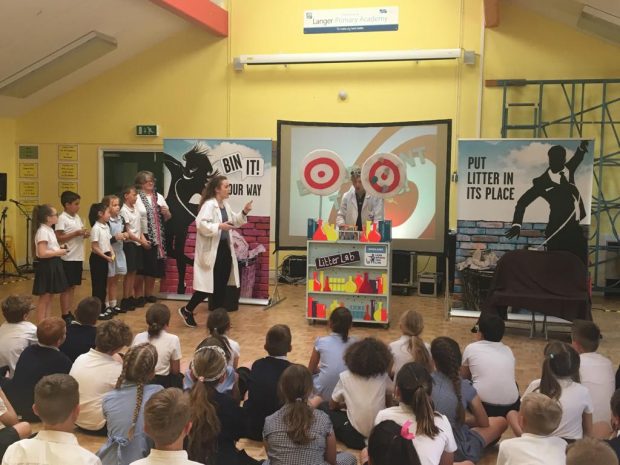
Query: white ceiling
x=569, y=11
x=32, y=29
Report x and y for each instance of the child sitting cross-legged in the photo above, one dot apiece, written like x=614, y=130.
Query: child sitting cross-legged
x=539, y=416
x=56, y=402
x=82, y=331
x=16, y=333
x=297, y=433
x=167, y=423
x=97, y=372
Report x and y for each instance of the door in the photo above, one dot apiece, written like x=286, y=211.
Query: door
x=120, y=169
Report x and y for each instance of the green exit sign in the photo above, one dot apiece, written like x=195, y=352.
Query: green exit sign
x=147, y=130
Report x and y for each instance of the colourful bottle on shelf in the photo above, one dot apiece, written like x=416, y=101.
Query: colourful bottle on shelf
x=384, y=314
x=358, y=282
x=326, y=286
x=367, y=316
x=317, y=283
x=378, y=311
x=350, y=286
x=380, y=285
x=330, y=232
x=319, y=234
x=373, y=235
x=363, y=237
x=310, y=306
x=321, y=280
x=366, y=287
x=384, y=283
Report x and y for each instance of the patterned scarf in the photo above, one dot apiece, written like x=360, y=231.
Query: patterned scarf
x=155, y=222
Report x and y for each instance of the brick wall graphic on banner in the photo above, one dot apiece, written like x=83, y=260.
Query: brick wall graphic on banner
x=191, y=163
x=522, y=193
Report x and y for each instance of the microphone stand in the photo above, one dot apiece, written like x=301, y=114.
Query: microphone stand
x=6, y=255
x=26, y=267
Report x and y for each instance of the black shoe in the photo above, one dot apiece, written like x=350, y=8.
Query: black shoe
x=139, y=301
x=68, y=318
x=106, y=315
x=188, y=317
x=151, y=299
x=118, y=310
x=126, y=306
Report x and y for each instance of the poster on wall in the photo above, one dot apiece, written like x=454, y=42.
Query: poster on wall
x=523, y=193
x=417, y=202
x=247, y=165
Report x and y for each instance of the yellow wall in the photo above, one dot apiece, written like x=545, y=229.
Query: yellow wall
x=186, y=84
x=8, y=165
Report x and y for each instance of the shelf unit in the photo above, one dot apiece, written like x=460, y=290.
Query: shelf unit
x=375, y=264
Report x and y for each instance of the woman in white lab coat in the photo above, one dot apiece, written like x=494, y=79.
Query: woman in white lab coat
x=215, y=263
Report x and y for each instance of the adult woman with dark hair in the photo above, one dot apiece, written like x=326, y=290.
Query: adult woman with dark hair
x=215, y=263
x=153, y=211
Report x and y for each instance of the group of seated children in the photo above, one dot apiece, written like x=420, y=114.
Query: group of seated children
x=408, y=402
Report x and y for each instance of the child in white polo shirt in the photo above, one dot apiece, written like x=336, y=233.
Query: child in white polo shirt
x=596, y=373
x=539, y=417
x=56, y=402
x=490, y=364
x=16, y=333
x=70, y=231
x=101, y=254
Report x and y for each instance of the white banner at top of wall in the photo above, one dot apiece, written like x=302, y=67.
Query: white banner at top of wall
x=351, y=20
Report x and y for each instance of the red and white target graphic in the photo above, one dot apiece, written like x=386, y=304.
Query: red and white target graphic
x=384, y=175
x=322, y=172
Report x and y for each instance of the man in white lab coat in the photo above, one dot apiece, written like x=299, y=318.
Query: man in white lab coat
x=357, y=206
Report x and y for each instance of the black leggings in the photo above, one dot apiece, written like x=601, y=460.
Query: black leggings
x=221, y=273
x=99, y=277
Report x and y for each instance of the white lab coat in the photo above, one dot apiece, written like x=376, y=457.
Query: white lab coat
x=372, y=209
x=207, y=241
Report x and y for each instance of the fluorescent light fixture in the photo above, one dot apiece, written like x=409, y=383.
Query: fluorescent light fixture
x=57, y=65
x=346, y=57
x=600, y=23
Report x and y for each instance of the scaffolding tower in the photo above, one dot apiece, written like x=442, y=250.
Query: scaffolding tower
x=582, y=108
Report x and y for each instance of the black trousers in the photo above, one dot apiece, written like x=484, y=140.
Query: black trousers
x=344, y=430
x=99, y=277
x=221, y=273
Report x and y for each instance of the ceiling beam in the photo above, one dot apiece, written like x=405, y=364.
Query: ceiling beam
x=203, y=13
x=491, y=13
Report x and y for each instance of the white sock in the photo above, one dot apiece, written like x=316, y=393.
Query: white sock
x=112, y=303
x=107, y=303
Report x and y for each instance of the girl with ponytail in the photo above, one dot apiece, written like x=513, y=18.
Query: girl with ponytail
x=49, y=277
x=216, y=419
x=429, y=431
x=127, y=441
x=297, y=433
x=327, y=359
x=452, y=395
x=560, y=381
x=218, y=324
x=410, y=347
x=167, y=371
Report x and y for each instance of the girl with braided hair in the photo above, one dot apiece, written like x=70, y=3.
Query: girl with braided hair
x=431, y=432
x=218, y=325
x=127, y=441
x=452, y=395
x=297, y=433
x=560, y=381
x=217, y=420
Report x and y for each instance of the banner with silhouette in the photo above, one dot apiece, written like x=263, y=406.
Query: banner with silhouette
x=523, y=193
x=247, y=165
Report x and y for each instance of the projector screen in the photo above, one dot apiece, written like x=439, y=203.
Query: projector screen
x=419, y=212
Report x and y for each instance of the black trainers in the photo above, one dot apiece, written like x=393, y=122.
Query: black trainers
x=139, y=301
x=68, y=318
x=151, y=299
x=118, y=310
x=188, y=317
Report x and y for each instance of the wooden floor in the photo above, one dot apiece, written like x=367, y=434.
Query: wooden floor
x=250, y=324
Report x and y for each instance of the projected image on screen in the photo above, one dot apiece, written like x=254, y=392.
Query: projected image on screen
x=418, y=210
